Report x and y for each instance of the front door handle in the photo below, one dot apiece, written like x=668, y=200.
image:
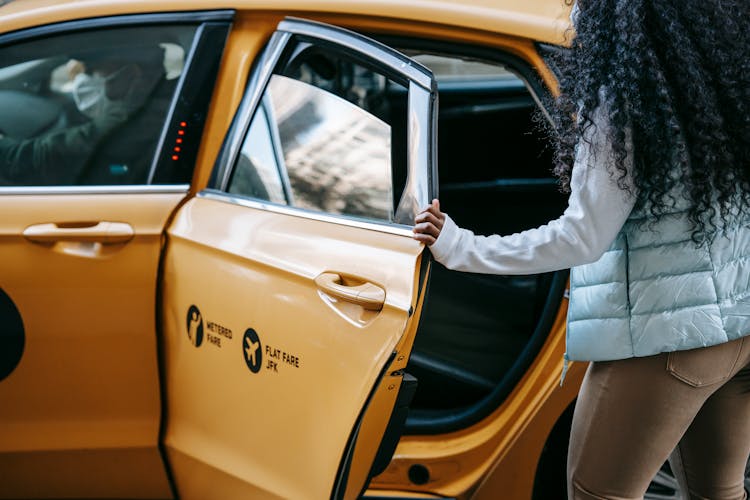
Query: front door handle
x=352, y=289
x=90, y=232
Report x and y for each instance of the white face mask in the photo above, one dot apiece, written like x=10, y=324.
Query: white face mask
x=90, y=94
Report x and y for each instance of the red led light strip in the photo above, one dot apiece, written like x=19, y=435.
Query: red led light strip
x=177, y=149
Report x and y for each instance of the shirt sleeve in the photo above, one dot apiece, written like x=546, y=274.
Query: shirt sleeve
x=597, y=209
x=56, y=157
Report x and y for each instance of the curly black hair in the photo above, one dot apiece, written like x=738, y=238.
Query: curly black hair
x=675, y=75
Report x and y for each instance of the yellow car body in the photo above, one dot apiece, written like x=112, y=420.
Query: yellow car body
x=178, y=340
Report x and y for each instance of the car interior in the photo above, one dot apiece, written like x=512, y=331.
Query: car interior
x=479, y=333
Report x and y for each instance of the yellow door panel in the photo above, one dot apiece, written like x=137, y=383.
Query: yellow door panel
x=374, y=426
x=266, y=382
x=81, y=409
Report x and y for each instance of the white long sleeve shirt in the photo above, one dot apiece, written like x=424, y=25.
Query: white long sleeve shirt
x=597, y=209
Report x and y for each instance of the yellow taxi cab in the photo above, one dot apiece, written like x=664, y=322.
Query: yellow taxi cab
x=208, y=285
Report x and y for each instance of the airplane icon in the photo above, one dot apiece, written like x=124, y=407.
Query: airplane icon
x=251, y=349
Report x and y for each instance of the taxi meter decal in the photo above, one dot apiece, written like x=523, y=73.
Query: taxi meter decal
x=198, y=329
x=278, y=357
x=195, y=326
x=254, y=352
x=257, y=355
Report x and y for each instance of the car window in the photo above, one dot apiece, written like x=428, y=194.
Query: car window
x=89, y=107
x=323, y=138
x=455, y=69
x=259, y=171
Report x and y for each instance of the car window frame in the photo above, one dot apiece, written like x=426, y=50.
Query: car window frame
x=421, y=184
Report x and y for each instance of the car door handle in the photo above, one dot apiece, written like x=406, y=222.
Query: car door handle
x=91, y=232
x=352, y=289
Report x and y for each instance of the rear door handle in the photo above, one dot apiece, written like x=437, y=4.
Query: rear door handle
x=92, y=232
x=352, y=289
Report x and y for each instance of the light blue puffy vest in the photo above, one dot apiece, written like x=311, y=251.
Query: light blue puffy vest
x=654, y=291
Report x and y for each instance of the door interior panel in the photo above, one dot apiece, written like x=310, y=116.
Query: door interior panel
x=473, y=330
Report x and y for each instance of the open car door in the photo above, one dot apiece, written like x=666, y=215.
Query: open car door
x=291, y=287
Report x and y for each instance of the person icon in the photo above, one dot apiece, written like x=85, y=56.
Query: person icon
x=195, y=326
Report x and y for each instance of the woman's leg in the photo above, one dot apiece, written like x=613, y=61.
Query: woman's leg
x=710, y=459
x=631, y=414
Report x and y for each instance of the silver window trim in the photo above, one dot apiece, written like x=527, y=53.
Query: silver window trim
x=117, y=21
x=344, y=220
x=85, y=190
x=417, y=189
x=422, y=118
x=273, y=129
x=354, y=41
x=256, y=86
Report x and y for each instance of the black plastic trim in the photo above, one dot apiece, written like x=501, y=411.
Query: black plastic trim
x=520, y=185
x=425, y=271
x=395, y=426
x=117, y=21
x=191, y=104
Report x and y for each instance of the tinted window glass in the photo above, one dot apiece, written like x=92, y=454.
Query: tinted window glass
x=87, y=107
x=259, y=170
x=323, y=138
x=455, y=69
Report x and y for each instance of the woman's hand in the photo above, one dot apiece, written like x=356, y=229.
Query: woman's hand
x=428, y=223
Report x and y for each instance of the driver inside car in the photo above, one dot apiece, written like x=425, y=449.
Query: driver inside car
x=107, y=91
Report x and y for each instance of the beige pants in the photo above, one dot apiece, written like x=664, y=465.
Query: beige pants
x=632, y=414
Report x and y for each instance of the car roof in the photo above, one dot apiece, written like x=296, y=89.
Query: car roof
x=540, y=20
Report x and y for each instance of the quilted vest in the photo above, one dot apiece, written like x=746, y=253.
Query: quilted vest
x=655, y=291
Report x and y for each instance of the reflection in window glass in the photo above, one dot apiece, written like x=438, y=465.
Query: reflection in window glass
x=337, y=156
x=257, y=173
x=456, y=69
x=87, y=107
